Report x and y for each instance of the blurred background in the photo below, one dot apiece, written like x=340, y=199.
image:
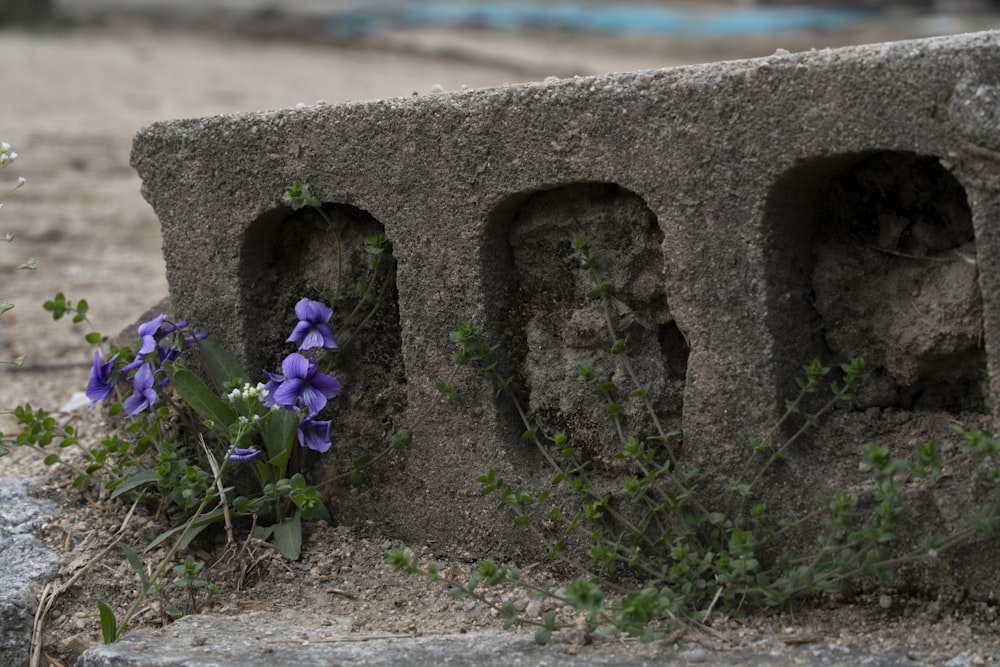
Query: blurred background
x=79, y=77
x=645, y=33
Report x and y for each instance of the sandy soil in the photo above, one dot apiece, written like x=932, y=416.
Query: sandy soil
x=71, y=103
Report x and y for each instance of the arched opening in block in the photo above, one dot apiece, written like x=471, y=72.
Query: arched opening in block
x=548, y=327
x=873, y=255
x=290, y=255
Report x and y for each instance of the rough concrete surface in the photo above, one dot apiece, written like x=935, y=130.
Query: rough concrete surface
x=206, y=641
x=729, y=175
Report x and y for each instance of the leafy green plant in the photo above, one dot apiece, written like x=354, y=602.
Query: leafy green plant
x=210, y=449
x=193, y=591
x=666, y=554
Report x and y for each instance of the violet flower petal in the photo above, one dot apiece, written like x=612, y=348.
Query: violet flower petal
x=314, y=434
x=102, y=379
x=147, y=333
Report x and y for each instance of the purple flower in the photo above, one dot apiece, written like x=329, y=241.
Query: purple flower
x=241, y=455
x=313, y=329
x=314, y=434
x=273, y=382
x=174, y=326
x=143, y=397
x=102, y=379
x=303, y=382
x=166, y=354
x=148, y=331
x=132, y=365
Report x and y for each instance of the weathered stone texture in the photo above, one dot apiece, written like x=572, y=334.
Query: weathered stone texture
x=757, y=213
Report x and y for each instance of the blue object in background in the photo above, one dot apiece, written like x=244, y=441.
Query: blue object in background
x=372, y=16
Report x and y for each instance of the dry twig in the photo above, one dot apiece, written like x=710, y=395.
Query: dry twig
x=50, y=593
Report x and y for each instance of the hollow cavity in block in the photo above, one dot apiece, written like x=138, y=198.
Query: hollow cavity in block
x=290, y=255
x=879, y=262
x=551, y=327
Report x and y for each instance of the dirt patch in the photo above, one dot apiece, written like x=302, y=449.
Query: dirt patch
x=896, y=283
x=549, y=316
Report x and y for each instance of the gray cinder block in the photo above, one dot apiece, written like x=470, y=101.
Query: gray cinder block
x=753, y=215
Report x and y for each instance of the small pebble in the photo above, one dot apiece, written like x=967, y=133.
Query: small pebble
x=696, y=655
x=885, y=601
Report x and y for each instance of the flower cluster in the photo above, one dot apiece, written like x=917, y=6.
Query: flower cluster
x=248, y=393
x=6, y=157
x=144, y=372
x=301, y=386
x=6, y=154
x=249, y=400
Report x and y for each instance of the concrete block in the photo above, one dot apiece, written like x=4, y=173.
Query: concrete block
x=753, y=214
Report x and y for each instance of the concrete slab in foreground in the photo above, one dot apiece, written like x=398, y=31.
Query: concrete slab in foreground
x=265, y=639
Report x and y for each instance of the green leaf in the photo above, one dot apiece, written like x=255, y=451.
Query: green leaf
x=197, y=525
x=109, y=625
x=288, y=536
x=297, y=195
x=135, y=562
x=279, y=434
x=601, y=290
x=193, y=390
x=402, y=439
x=222, y=365
x=144, y=477
x=443, y=388
x=509, y=614
x=640, y=393
x=57, y=305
